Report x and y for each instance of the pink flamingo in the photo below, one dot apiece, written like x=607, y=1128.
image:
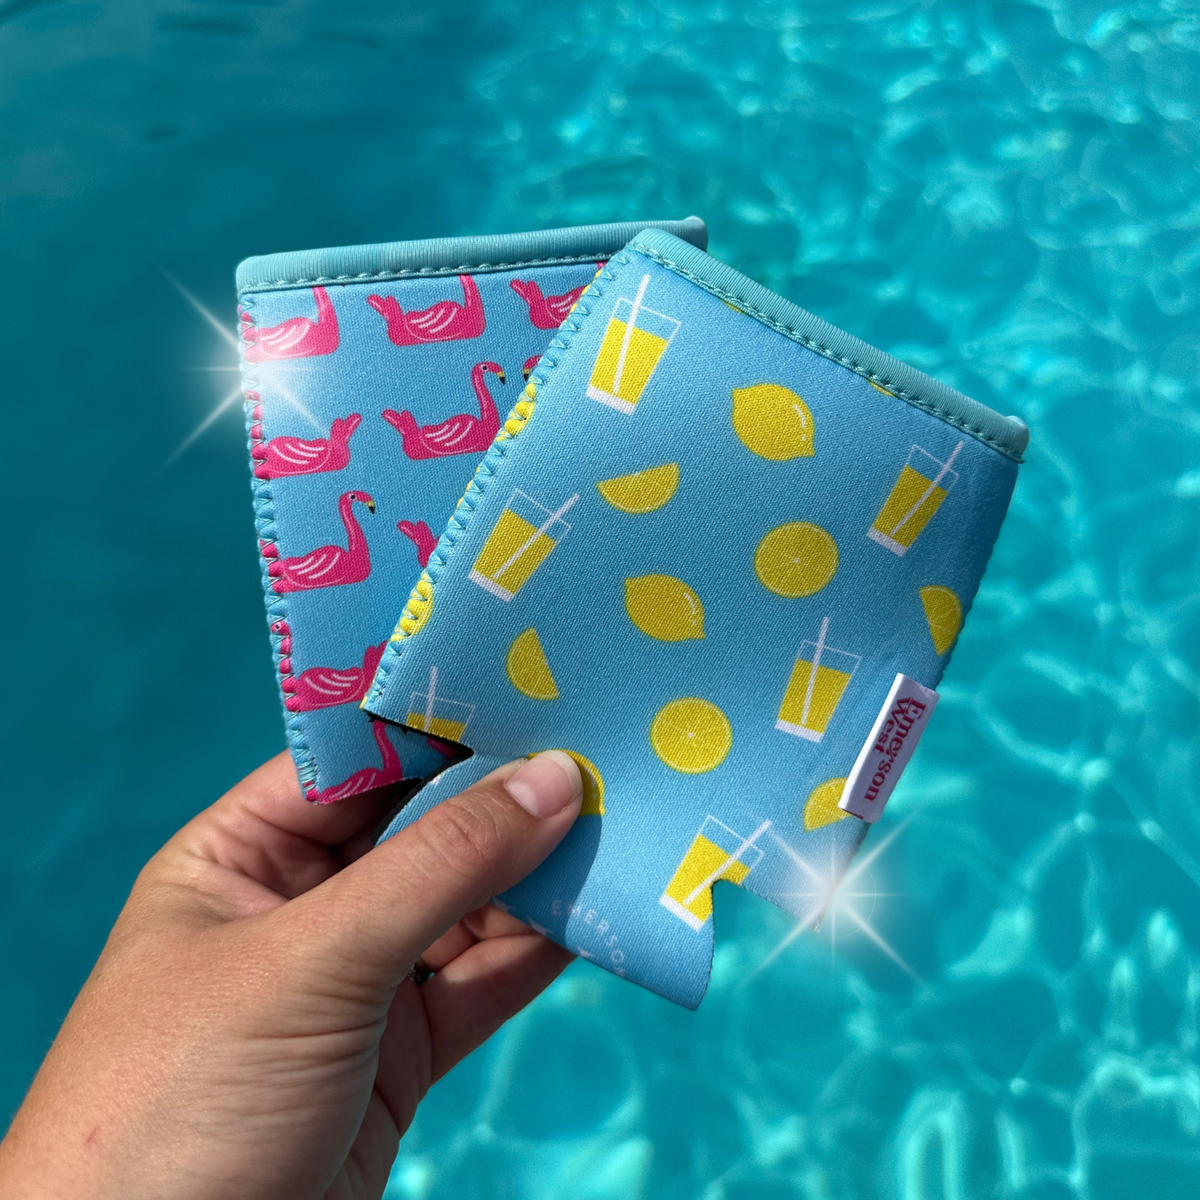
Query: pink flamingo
x=546, y=312
x=529, y=364
x=460, y=434
x=421, y=536
x=328, y=566
x=367, y=778
x=325, y=687
x=287, y=455
x=298, y=337
x=444, y=321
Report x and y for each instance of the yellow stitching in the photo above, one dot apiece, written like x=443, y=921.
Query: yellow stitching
x=520, y=415
x=416, y=611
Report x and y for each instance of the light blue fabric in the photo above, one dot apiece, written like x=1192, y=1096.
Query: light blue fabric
x=713, y=730
x=323, y=363
x=448, y=256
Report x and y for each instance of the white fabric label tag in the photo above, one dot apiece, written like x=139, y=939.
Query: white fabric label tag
x=894, y=737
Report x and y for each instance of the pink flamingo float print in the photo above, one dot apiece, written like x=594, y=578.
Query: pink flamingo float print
x=460, y=434
x=286, y=455
x=366, y=778
x=528, y=365
x=327, y=566
x=445, y=321
x=421, y=536
x=326, y=687
x=298, y=337
x=546, y=312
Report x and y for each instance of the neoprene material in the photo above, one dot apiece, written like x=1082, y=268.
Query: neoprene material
x=375, y=380
x=707, y=540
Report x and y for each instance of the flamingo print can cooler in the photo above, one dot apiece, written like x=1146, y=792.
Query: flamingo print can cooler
x=375, y=378
x=720, y=554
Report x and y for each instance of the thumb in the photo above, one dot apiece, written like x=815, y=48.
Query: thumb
x=368, y=924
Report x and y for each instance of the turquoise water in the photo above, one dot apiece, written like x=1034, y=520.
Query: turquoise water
x=1006, y=195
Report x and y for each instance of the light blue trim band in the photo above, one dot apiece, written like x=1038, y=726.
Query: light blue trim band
x=1008, y=435
x=452, y=256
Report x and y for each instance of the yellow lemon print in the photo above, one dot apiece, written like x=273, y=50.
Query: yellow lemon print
x=822, y=805
x=643, y=491
x=664, y=607
x=417, y=610
x=528, y=670
x=691, y=735
x=797, y=559
x=943, y=612
x=593, y=784
x=773, y=422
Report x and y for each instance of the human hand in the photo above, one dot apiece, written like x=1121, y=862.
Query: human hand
x=251, y=1029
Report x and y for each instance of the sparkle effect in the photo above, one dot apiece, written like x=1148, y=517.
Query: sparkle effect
x=229, y=400
x=844, y=898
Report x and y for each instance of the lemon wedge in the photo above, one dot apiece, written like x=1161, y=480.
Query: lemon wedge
x=643, y=491
x=773, y=422
x=691, y=735
x=593, y=783
x=943, y=613
x=664, y=607
x=821, y=807
x=528, y=670
x=797, y=559
x=593, y=786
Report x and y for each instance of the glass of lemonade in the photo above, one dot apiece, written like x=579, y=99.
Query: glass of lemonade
x=716, y=852
x=917, y=494
x=634, y=342
x=520, y=541
x=446, y=719
x=819, y=676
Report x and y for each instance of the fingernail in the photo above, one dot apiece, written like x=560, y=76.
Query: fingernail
x=546, y=784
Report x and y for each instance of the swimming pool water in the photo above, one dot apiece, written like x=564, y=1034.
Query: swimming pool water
x=1004, y=194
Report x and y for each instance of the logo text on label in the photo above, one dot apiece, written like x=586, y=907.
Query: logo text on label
x=885, y=754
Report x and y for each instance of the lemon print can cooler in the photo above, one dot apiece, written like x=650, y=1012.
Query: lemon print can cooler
x=720, y=554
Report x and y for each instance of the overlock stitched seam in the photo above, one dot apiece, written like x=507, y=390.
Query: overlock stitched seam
x=489, y=467
x=276, y=604
x=422, y=272
x=824, y=351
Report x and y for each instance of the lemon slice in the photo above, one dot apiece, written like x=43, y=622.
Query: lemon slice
x=528, y=670
x=797, y=559
x=664, y=607
x=593, y=784
x=691, y=735
x=943, y=612
x=417, y=611
x=773, y=422
x=643, y=491
x=822, y=805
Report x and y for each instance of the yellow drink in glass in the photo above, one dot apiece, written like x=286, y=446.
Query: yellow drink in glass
x=440, y=727
x=914, y=499
x=635, y=339
x=430, y=713
x=520, y=541
x=819, y=677
x=716, y=852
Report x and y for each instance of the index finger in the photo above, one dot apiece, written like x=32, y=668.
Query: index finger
x=272, y=795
